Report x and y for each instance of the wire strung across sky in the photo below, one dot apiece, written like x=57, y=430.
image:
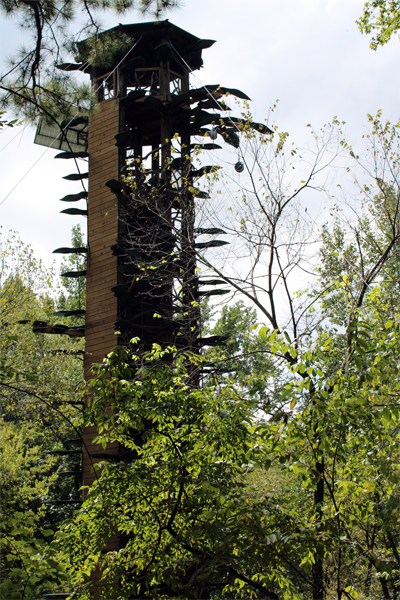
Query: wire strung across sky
x=66, y=127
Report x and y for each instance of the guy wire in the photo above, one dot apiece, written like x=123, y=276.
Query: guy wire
x=61, y=131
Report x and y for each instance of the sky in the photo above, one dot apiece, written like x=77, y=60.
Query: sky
x=308, y=54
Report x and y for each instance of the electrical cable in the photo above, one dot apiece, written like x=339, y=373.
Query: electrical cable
x=20, y=132
x=200, y=84
x=23, y=177
x=66, y=127
x=195, y=76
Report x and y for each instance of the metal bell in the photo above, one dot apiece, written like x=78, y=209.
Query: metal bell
x=213, y=133
x=239, y=167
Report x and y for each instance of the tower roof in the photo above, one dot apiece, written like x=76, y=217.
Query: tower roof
x=150, y=41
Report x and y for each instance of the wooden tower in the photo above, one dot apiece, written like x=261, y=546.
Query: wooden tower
x=142, y=242
x=140, y=213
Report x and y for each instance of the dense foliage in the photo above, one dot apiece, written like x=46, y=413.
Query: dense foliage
x=206, y=496
x=28, y=567
x=279, y=476
x=382, y=17
x=40, y=380
x=276, y=478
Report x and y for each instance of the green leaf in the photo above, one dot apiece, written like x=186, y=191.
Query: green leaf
x=263, y=333
x=47, y=532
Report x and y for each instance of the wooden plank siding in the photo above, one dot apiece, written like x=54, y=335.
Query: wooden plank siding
x=101, y=305
x=101, y=276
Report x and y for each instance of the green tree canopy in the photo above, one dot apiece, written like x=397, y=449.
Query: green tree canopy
x=32, y=83
x=73, y=296
x=304, y=503
x=28, y=478
x=242, y=358
x=381, y=17
x=39, y=375
x=205, y=496
x=40, y=381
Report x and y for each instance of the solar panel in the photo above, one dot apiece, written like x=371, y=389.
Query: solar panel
x=73, y=138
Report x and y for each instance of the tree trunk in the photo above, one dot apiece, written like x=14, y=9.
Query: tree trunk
x=318, y=567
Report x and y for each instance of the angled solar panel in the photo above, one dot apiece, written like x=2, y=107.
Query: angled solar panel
x=73, y=138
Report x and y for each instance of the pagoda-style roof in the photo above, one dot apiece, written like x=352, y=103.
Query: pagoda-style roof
x=153, y=40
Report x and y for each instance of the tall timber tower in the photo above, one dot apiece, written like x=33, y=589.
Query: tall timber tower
x=141, y=278
x=138, y=206
x=141, y=197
